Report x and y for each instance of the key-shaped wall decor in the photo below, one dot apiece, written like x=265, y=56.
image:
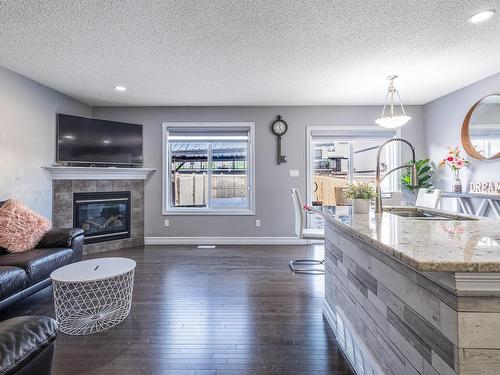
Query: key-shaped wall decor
x=279, y=127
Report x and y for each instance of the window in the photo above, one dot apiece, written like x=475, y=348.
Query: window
x=208, y=168
x=340, y=155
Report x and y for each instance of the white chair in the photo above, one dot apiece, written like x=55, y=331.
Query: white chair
x=428, y=198
x=305, y=233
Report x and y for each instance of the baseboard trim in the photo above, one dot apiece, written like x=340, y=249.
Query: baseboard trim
x=225, y=241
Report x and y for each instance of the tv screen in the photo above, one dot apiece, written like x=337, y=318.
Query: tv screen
x=91, y=141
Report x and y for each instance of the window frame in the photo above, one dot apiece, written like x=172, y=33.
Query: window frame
x=355, y=131
x=166, y=169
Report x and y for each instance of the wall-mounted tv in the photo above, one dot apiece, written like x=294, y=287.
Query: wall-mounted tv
x=83, y=140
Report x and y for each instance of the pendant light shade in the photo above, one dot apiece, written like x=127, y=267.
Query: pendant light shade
x=392, y=120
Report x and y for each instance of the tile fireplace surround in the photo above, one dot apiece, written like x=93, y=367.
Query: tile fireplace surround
x=63, y=191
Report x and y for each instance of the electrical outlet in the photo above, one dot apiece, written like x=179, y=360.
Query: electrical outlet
x=166, y=223
x=294, y=173
x=257, y=223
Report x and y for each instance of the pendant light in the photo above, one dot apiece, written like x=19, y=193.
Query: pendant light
x=392, y=120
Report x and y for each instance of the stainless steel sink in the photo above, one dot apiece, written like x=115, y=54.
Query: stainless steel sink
x=426, y=215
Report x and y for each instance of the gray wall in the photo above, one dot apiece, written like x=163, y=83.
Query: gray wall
x=273, y=205
x=443, y=119
x=27, y=138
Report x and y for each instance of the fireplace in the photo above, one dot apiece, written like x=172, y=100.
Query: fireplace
x=104, y=216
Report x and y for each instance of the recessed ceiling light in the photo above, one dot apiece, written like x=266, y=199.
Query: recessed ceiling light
x=120, y=88
x=481, y=16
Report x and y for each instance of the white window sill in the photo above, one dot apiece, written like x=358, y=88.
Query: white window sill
x=212, y=212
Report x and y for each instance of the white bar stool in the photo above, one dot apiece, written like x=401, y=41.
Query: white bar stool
x=307, y=234
x=428, y=198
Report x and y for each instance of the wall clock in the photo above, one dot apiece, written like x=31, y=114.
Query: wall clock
x=279, y=127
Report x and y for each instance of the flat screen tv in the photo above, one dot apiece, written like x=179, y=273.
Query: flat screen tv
x=83, y=140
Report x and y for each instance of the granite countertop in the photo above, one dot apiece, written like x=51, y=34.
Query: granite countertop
x=425, y=245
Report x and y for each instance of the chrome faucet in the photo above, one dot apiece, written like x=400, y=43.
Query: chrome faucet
x=378, y=180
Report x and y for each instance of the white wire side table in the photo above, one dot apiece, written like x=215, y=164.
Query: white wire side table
x=93, y=295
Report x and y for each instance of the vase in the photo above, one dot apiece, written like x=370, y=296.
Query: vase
x=360, y=206
x=457, y=184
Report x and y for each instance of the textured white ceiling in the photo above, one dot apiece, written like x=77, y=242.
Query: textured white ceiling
x=253, y=52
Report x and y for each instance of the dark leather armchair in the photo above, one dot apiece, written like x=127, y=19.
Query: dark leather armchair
x=22, y=274
x=27, y=345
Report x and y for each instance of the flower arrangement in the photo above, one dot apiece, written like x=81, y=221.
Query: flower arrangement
x=454, y=159
x=360, y=190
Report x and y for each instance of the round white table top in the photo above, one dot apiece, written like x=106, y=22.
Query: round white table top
x=93, y=270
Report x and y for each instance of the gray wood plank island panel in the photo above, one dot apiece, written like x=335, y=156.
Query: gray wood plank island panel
x=409, y=296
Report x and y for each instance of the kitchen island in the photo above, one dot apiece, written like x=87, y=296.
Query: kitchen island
x=414, y=294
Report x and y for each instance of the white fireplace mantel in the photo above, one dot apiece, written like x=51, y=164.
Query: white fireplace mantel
x=98, y=173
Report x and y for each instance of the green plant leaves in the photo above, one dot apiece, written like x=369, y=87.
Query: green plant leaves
x=424, y=175
x=360, y=190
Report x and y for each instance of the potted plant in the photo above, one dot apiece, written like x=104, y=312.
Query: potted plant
x=361, y=193
x=424, y=174
x=455, y=161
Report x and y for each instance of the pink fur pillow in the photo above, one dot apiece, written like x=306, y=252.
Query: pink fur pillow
x=21, y=228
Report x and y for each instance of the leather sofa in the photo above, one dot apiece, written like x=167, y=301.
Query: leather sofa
x=22, y=274
x=27, y=345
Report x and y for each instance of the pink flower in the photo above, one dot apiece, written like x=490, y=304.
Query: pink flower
x=454, y=159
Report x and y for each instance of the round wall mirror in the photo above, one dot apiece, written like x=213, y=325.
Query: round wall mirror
x=481, y=129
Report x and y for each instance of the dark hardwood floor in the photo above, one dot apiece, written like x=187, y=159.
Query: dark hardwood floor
x=229, y=310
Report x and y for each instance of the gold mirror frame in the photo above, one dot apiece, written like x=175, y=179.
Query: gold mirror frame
x=465, y=135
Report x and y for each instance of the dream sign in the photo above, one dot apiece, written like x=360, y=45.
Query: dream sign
x=485, y=187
